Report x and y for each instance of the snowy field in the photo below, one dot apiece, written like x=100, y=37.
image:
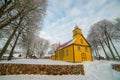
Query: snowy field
x=96, y=70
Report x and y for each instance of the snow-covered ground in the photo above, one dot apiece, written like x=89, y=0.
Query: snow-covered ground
x=96, y=70
x=38, y=61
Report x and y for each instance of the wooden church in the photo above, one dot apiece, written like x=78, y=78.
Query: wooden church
x=76, y=50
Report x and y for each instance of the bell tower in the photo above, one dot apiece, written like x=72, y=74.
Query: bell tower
x=77, y=32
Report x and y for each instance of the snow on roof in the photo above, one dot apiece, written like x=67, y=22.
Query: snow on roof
x=66, y=44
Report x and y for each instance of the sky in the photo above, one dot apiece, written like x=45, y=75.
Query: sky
x=62, y=17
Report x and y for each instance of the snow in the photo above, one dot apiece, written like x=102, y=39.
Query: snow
x=41, y=77
x=96, y=70
x=101, y=70
x=38, y=61
x=15, y=55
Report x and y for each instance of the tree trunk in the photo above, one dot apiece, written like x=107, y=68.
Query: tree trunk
x=10, y=38
x=11, y=52
x=104, y=50
x=114, y=46
x=96, y=48
x=27, y=53
x=33, y=51
x=8, y=42
x=98, y=53
x=17, y=37
x=41, y=54
x=93, y=51
x=115, y=50
x=28, y=50
x=108, y=45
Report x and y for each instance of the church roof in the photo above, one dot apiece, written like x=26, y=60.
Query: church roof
x=66, y=44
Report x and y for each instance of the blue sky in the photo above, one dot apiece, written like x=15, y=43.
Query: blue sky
x=63, y=15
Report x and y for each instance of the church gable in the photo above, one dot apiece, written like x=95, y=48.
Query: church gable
x=81, y=41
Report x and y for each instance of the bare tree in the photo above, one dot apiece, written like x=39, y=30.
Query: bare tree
x=43, y=47
x=53, y=48
x=104, y=33
x=9, y=39
x=28, y=12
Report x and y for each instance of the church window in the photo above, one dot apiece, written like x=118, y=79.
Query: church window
x=86, y=49
x=78, y=48
x=66, y=52
x=63, y=52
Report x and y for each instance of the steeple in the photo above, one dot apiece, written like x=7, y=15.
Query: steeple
x=76, y=32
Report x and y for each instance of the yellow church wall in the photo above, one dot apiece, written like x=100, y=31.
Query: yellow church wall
x=57, y=55
x=78, y=53
x=65, y=54
x=68, y=56
x=76, y=56
x=53, y=57
x=89, y=54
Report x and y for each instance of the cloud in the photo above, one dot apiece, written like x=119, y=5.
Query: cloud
x=44, y=35
x=73, y=12
x=63, y=16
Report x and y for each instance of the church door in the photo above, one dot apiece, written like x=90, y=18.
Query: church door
x=83, y=57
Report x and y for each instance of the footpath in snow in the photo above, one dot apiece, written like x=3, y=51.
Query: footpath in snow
x=96, y=70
